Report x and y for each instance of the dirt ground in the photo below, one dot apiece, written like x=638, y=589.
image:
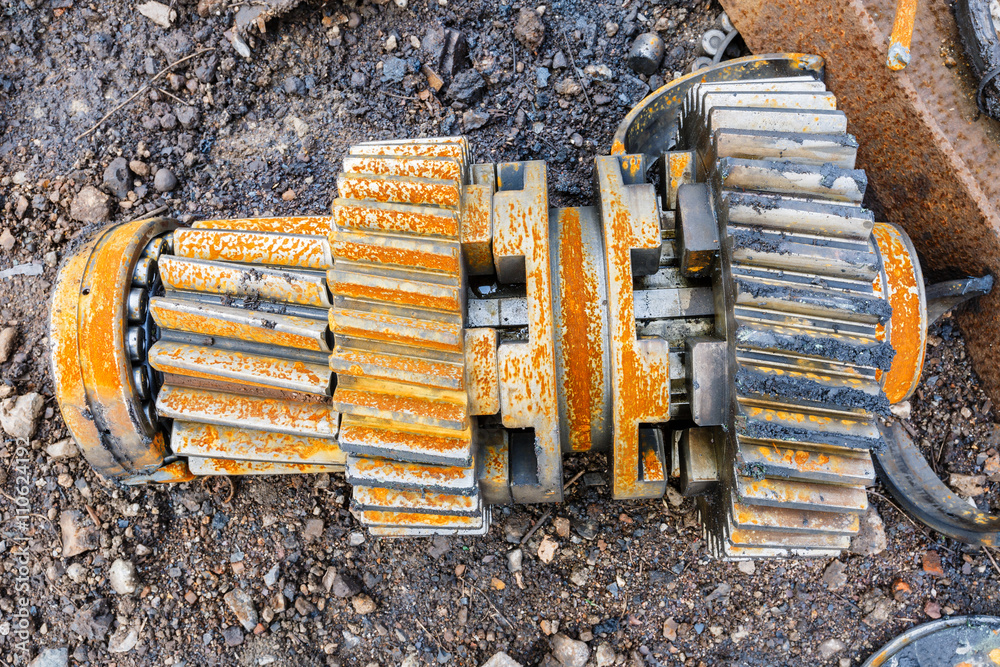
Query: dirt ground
x=263, y=136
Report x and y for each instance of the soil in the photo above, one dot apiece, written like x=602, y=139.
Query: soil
x=266, y=139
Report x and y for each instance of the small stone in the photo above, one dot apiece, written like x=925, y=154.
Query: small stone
x=90, y=205
x=7, y=240
x=467, y=87
x=604, y=655
x=345, y=586
x=391, y=43
x=164, y=181
x=124, y=640
x=932, y=609
x=122, y=577
x=313, y=530
x=561, y=525
x=529, y=30
x=870, y=540
x=881, y=613
x=514, y=560
x=7, y=338
x=288, y=195
x=501, y=659
x=271, y=578
x=568, y=87
x=549, y=627
x=646, y=53
x=542, y=75
x=139, y=168
x=440, y=545
x=600, y=72
x=363, y=604
x=497, y=584
x=159, y=13
x=670, y=629
x=188, y=117
x=19, y=416
x=51, y=657
x=473, y=120
x=932, y=563
x=76, y=572
x=831, y=647
x=834, y=576
x=233, y=636
x=569, y=652
x=117, y=178
x=547, y=549
x=968, y=485
x=393, y=70
x=190, y=597
x=746, y=566
x=901, y=410
x=356, y=539
x=242, y=606
x=22, y=206
x=293, y=85
x=579, y=576
x=93, y=621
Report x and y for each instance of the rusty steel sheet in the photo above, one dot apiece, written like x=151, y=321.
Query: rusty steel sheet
x=312, y=419
x=213, y=363
x=403, y=520
x=931, y=159
x=410, y=442
x=307, y=288
x=640, y=368
x=90, y=358
x=202, y=466
x=801, y=495
x=251, y=247
x=396, y=329
x=388, y=473
x=456, y=147
x=477, y=228
x=482, y=379
x=227, y=442
x=759, y=517
x=841, y=467
x=310, y=225
x=393, y=217
x=908, y=326
x=493, y=471
x=398, y=500
x=581, y=326
x=528, y=391
x=395, y=250
x=238, y=323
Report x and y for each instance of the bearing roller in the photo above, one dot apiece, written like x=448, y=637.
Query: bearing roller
x=727, y=314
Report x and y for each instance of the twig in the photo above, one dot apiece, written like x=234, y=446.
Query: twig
x=572, y=60
x=990, y=556
x=490, y=602
x=399, y=97
x=141, y=91
x=843, y=599
x=894, y=506
x=169, y=94
x=545, y=517
x=93, y=516
x=149, y=214
x=433, y=636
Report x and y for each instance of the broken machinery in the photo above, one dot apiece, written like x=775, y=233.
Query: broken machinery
x=728, y=313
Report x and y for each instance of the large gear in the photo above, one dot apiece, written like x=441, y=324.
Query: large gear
x=727, y=314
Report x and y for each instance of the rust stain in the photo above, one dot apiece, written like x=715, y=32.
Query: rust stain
x=483, y=379
x=363, y=215
x=248, y=247
x=385, y=434
x=477, y=229
x=212, y=441
x=414, y=500
x=442, y=168
x=396, y=329
x=364, y=363
x=255, y=330
x=416, y=519
x=357, y=251
x=401, y=292
x=219, y=278
x=409, y=191
x=312, y=225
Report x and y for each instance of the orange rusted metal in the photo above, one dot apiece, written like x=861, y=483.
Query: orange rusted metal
x=392, y=250
x=898, y=56
x=908, y=326
x=449, y=169
x=206, y=466
x=271, y=284
x=224, y=442
x=482, y=376
x=251, y=247
x=477, y=228
x=416, y=442
x=528, y=397
x=640, y=368
x=392, y=217
x=413, y=190
x=311, y=225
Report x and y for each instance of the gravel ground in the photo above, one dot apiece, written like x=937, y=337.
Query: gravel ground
x=276, y=571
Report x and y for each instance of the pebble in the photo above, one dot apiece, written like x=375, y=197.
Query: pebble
x=117, y=178
x=19, y=416
x=467, y=87
x=529, y=30
x=670, y=629
x=440, y=545
x=345, y=586
x=7, y=240
x=578, y=577
x=611, y=28
x=93, y=621
x=932, y=609
x=139, y=168
x=51, y=657
x=542, y=75
x=393, y=70
x=313, y=530
x=473, y=120
x=746, y=566
x=124, y=640
x=356, y=539
x=514, y=560
x=569, y=652
x=547, y=549
x=242, y=606
x=188, y=117
x=233, y=636
x=271, y=578
x=90, y=205
x=646, y=53
x=122, y=577
x=834, y=576
x=164, y=181
x=501, y=659
x=931, y=561
x=561, y=525
x=559, y=62
x=76, y=572
x=391, y=43
x=363, y=604
x=293, y=85
x=7, y=338
x=831, y=647
x=901, y=410
x=605, y=655
x=870, y=540
x=77, y=536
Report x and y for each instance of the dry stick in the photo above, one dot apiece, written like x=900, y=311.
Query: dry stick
x=907, y=517
x=538, y=524
x=169, y=94
x=572, y=60
x=149, y=214
x=995, y=566
x=490, y=602
x=141, y=91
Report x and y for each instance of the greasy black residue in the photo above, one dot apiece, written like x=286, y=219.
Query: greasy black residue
x=268, y=324
x=874, y=356
x=754, y=382
x=754, y=239
x=764, y=430
x=873, y=306
x=755, y=470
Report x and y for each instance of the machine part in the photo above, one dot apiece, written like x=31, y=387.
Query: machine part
x=444, y=336
x=723, y=42
x=959, y=640
x=711, y=42
x=646, y=53
x=911, y=481
x=931, y=159
x=898, y=56
x=948, y=295
x=979, y=26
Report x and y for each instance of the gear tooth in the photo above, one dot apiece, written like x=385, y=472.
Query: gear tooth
x=809, y=308
x=398, y=280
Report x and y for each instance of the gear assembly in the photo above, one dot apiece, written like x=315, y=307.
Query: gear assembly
x=727, y=317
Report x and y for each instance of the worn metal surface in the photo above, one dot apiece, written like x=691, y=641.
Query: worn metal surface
x=640, y=368
x=307, y=288
x=253, y=247
x=91, y=361
x=528, y=392
x=898, y=56
x=962, y=641
x=243, y=444
x=930, y=158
